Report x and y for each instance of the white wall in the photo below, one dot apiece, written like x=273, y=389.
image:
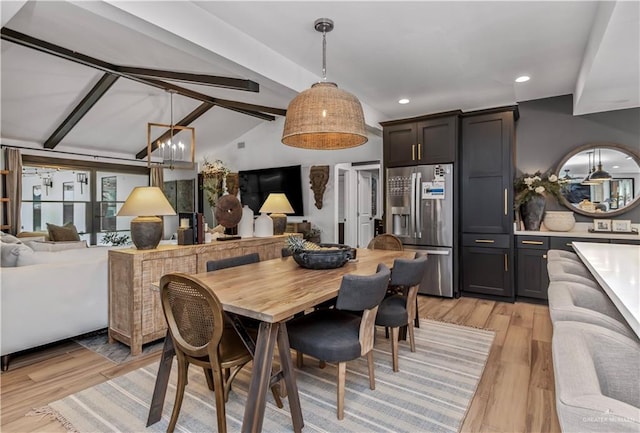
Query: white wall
x=263, y=149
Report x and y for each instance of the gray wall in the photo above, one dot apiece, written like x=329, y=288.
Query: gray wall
x=547, y=131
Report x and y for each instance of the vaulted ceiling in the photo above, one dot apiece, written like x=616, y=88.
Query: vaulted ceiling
x=441, y=55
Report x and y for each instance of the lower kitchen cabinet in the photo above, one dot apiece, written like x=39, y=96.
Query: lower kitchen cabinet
x=487, y=271
x=532, y=279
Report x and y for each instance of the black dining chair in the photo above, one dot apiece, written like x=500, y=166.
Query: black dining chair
x=196, y=324
x=216, y=265
x=343, y=333
x=400, y=309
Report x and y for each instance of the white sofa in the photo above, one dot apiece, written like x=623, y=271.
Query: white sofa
x=63, y=295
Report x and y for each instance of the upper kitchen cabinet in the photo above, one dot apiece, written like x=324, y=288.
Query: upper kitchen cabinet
x=421, y=140
x=486, y=174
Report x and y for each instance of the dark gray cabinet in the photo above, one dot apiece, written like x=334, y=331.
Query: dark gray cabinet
x=487, y=173
x=486, y=201
x=532, y=279
x=419, y=141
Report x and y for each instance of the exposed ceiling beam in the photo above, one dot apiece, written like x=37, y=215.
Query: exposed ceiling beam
x=94, y=95
x=49, y=48
x=188, y=119
x=242, y=107
x=209, y=80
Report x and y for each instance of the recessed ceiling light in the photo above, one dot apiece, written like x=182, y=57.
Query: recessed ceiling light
x=616, y=166
x=403, y=101
x=523, y=78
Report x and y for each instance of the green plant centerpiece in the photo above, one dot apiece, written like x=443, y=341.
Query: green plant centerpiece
x=318, y=256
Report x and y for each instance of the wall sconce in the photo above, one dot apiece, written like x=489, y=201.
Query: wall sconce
x=47, y=182
x=82, y=179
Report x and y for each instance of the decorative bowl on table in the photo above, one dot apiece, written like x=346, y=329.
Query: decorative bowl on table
x=559, y=221
x=319, y=256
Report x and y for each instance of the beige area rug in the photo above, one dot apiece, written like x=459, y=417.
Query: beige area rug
x=431, y=393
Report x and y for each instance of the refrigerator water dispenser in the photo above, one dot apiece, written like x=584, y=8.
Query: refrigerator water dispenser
x=400, y=217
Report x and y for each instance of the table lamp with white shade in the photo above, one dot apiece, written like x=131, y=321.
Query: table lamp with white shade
x=277, y=205
x=146, y=203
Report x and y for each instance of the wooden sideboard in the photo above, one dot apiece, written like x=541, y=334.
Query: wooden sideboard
x=135, y=311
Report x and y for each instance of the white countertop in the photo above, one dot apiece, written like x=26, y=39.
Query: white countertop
x=581, y=230
x=617, y=268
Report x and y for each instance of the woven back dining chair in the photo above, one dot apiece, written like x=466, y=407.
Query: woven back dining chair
x=386, y=241
x=196, y=324
x=343, y=333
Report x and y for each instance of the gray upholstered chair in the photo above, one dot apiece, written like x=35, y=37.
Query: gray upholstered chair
x=597, y=377
x=564, y=271
x=215, y=265
x=400, y=309
x=562, y=254
x=576, y=302
x=196, y=325
x=345, y=332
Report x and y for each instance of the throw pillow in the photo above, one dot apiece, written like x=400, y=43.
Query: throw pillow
x=33, y=236
x=56, y=246
x=11, y=253
x=9, y=239
x=68, y=232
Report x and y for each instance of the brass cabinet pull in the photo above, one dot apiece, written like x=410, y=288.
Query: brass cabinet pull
x=506, y=263
x=413, y=152
x=569, y=245
x=505, y=201
x=484, y=241
x=533, y=242
x=419, y=151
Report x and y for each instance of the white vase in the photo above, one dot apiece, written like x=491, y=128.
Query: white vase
x=245, y=226
x=264, y=226
x=559, y=221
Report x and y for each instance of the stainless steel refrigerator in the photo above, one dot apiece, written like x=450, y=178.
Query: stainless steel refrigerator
x=419, y=211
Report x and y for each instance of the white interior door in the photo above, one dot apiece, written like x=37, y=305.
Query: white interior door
x=365, y=217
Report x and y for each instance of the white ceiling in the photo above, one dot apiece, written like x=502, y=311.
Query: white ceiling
x=441, y=55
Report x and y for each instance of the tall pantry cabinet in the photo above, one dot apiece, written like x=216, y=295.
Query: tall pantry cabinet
x=486, y=193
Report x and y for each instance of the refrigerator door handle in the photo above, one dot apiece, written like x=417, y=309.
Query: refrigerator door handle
x=412, y=228
x=418, y=204
x=438, y=252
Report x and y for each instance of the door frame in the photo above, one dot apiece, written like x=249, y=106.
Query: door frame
x=350, y=172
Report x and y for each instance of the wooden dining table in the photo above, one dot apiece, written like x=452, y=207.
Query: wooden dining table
x=272, y=292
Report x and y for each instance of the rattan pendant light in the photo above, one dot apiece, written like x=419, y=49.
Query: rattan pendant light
x=324, y=117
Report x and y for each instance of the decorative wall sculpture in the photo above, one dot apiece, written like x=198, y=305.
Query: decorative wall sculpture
x=318, y=178
x=232, y=184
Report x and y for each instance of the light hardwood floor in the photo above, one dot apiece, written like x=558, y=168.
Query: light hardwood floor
x=516, y=393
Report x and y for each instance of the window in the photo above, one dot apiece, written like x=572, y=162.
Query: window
x=86, y=194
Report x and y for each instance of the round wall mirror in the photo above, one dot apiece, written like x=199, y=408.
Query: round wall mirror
x=600, y=180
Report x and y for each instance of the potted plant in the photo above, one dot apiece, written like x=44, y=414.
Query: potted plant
x=213, y=175
x=530, y=195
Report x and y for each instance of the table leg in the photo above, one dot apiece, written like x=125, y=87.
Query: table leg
x=260, y=378
x=290, y=378
x=162, y=380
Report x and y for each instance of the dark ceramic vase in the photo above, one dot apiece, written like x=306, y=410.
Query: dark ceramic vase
x=532, y=212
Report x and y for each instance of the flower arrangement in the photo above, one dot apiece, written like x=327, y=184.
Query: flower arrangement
x=528, y=186
x=213, y=175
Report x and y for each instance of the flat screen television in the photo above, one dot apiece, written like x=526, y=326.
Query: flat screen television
x=256, y=185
